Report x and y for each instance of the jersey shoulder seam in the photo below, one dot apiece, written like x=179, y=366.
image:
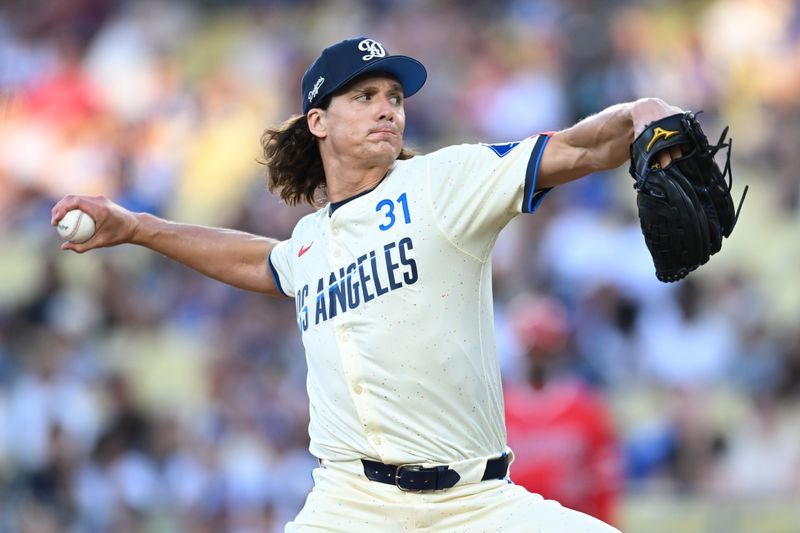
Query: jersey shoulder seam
x=436, y=215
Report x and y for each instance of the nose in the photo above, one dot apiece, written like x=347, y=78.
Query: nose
x=386, y=110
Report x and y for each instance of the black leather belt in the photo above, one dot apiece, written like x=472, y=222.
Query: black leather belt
x=419, y=478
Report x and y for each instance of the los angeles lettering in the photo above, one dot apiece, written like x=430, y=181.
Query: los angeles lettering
x=371, y=276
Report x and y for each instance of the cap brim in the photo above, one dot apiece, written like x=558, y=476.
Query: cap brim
x=409, y=72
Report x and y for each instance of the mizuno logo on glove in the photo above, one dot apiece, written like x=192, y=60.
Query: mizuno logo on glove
x=685, y=212
x=659, y=133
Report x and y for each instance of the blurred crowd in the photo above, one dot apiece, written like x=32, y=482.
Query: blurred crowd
x=136, y=395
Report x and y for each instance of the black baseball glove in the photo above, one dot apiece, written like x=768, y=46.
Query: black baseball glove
x=686, y=208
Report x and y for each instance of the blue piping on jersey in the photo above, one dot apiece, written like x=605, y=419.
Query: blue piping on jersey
x=538, y=196
x=533, y=197
x=275, y=277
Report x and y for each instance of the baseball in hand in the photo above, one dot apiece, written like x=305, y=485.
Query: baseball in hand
x=76, y=226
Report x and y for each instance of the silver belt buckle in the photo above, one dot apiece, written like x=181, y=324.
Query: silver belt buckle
x=411, y=467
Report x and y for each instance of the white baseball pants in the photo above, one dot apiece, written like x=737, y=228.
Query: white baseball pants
x=344, y=500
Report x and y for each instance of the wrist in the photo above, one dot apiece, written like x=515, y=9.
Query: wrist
x=645, y=111
x=142, y=228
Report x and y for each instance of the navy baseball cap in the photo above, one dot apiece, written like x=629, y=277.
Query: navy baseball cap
x=342, y=62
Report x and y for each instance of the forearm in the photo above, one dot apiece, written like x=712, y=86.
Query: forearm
x=233, y=257
x=599, y=142
x=602, y=140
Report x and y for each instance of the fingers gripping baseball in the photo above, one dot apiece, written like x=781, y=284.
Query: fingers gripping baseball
x=113, y=223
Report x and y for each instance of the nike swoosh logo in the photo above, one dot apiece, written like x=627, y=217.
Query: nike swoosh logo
x=304, y=249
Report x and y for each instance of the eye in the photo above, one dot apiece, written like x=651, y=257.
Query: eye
x=363, y=97
x=396, y=99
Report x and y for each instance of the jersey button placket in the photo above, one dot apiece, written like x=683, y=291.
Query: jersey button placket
x=353, y=374
x=352, y=368
x=348, y=347
x=336, y=250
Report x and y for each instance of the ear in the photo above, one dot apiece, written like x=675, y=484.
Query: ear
x=316, y=123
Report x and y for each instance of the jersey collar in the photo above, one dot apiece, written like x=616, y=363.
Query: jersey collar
x=333, y=206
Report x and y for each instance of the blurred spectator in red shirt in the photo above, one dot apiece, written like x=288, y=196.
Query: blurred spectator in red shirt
x=64, y=96
x=559, y=428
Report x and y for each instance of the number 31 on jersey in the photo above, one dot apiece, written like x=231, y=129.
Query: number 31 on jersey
x=387, y=207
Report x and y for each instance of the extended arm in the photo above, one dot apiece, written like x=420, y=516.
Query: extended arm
x=599, y=142
x=233, y=257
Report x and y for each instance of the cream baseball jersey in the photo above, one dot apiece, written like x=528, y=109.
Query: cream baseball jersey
x=394, y=305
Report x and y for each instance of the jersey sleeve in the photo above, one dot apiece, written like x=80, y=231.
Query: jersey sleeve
x=477, y=189
x=280, y=266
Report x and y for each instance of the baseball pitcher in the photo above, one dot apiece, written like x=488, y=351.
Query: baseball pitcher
x=391, y=279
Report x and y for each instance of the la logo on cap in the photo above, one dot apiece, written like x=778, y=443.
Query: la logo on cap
x=341, y=63
x=374, y=48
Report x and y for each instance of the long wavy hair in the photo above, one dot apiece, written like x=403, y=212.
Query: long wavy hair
x=294, y=165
